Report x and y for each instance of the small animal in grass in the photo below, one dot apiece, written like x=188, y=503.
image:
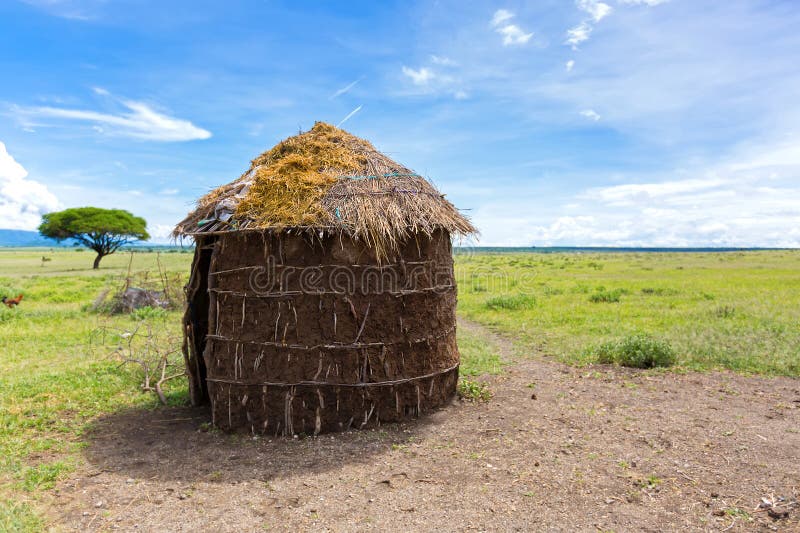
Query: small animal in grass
x=12, y=302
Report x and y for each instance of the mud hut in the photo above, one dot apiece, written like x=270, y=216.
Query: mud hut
x=322, y=294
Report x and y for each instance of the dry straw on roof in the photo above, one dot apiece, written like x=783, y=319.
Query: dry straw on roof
x=328, y=179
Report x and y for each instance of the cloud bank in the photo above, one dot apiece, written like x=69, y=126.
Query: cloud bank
x=22, y=201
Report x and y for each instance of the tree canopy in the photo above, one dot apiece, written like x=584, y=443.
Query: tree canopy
x=102, y=230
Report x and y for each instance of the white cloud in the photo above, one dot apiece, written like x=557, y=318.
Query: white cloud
x=160, y=233
x=578, y=34
x=638, y=193
x=349, y=115
x=344, y=90
x=169, y=192
x=727, y=205
x=460, y=95
x=782, y=155
x=512, y=34
x=443, y=61
x=22, y=201
x=596, y=9
x=139, y=122
x=591, y=114
x=500, y=16
x=569, y=65
x=643, y=2
x=586, y=230
x=419, y=77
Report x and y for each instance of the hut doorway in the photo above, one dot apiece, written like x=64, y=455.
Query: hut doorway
x=196, y=320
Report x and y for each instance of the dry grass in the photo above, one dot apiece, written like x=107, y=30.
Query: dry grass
x=328, y=179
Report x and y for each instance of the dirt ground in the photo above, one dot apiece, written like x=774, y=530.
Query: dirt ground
x=557, y=449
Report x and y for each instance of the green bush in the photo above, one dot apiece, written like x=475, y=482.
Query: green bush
x=604, y=296
x=146, y=313
x=636, y=351
x=511, y=303
x=660, y=291
x=474, y=391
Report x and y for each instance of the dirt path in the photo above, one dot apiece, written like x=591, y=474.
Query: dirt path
x=596, y=449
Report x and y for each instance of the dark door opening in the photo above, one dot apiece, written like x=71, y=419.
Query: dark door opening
x=196, y=321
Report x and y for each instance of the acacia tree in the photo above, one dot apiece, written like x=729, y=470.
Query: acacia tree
x=102, y=230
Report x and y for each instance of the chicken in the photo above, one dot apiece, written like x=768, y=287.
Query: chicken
x=12, y=302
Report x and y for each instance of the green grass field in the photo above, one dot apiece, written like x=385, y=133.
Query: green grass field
x=734, y=310
x=739, y=311
x=53, y=381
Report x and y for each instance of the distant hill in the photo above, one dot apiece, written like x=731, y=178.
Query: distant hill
x=18, y=237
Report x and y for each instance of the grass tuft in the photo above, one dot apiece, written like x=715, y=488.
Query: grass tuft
x=149, y=313
x=18, y=517
x=604, y=296
x=474, y=391
x=43, y=476
x=636, y=351
x=511, y=303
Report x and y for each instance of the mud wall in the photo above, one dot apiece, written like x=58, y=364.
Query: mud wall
x=308, y=334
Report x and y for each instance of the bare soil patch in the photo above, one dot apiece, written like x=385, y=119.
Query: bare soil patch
x=558, y=449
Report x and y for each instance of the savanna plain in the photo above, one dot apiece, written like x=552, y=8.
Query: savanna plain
x=599, y=392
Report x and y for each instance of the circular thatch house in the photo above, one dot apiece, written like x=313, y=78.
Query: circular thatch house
x=322, y=294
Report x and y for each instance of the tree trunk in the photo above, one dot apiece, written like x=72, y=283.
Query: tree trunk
x=97, y=261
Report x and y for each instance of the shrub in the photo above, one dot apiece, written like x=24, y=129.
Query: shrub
x=474, y=391
x=604, y=296
x=636, y=351
x=511, y=303
x=146, y=313
x=604, y=353
x=661, y=291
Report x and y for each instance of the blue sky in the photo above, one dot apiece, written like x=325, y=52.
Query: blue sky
x=587, y=122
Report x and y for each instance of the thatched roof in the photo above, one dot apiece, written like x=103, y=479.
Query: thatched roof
x=327, y=180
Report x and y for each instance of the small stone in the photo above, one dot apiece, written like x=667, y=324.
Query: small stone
x=98, y=504
x=86, y=513
x=130, y=481
x=182, y=496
